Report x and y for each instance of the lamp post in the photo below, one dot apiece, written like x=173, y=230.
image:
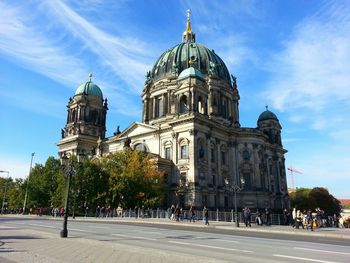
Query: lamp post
x=182, y=189
x=26, y=195
x=235, y=189
x=4, y=195
x=65, y=161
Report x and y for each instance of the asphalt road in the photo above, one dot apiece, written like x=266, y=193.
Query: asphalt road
x=208, y=244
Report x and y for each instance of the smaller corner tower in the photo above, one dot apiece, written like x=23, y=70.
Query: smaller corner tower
x=86, y=121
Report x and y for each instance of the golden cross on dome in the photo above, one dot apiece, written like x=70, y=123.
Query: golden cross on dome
x=188, y=27
x=90, y=76
x=267, y=107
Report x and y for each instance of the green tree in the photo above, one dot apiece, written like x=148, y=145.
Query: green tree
x=89, y=184
x=325, y=200
x=15, y=194
x=133, y=179
x=304, y=199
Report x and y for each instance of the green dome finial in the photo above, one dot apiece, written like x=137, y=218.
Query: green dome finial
x=90, y=76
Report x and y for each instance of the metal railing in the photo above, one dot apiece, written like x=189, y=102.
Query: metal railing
x=275, y=219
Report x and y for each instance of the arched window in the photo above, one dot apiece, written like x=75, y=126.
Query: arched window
x=93, y=116
x=184, y=150
x=159, y=107
x=200, y=105
x=140, y=147
x=224, y=109
x=167, y=150
x=183, y=104
x=74, y=115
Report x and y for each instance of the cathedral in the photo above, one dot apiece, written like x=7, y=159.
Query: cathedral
x=191, y=125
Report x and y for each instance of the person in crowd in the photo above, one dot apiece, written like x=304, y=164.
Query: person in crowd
x=267, y=217
x=97, y=212
x=309, y=220
x=206, y=216
x=246, y=217
x=294, y=217
x=177, y=213
x=258, y=219
x=299, y=219
x=86, y=211
x=172, y=210
x=192, y=214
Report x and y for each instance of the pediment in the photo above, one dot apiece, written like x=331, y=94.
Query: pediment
x=137, y=128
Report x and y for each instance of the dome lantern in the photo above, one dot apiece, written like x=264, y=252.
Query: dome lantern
x=188, y=36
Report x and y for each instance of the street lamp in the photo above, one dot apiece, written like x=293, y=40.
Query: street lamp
x=65, y=162
x=26, y=195
x=235, y=189
x=4, y=195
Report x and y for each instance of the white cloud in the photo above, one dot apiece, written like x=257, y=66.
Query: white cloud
x=128, y=57
x=29, y=40
x=311, y=75
x=28, y=46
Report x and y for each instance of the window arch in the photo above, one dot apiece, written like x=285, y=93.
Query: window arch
x=184, y=149
x=140, y=147
x=183, y=104
x=167, y=152
x=200, y=105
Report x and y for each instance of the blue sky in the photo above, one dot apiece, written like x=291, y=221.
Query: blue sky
x=292, y=55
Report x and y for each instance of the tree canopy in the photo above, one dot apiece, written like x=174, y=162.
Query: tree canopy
x=128, y=179
x=318, y=197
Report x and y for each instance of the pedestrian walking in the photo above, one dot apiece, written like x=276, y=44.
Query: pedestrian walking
x=206, y=216
x=246, y=217
x=192, y=214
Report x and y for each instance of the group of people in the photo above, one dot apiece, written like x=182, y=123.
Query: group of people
x=312, y=219
x=176, y=213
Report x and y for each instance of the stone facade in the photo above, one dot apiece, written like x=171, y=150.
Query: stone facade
x=190, y=122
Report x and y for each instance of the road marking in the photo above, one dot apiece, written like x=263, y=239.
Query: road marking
x=319, y=250
x=80, y=230
x=304, y=259
x=137, y=237
x=102, y=227
x=230, y=241
x=42, y=225
x=214, y=247
x=148, y=232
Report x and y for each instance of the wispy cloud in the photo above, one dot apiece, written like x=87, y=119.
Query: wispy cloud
x=127, y=56
x=29, y=47
x=312, y=73
x=29, y=39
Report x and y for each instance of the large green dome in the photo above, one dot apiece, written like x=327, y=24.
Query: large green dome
x=189, y=54
x=89, y=88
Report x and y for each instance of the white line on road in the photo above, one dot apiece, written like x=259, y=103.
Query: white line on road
x=137, y=237
x=320, y=250
x=148, y=232
x=102, y=227
x=229, y=241
x=80, y=230
x=304, y=259
x=42, y=225
x=200, y=245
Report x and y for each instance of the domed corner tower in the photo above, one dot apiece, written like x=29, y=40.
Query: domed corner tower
x=269, y=124
x=86, y=121
x=190, y=78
